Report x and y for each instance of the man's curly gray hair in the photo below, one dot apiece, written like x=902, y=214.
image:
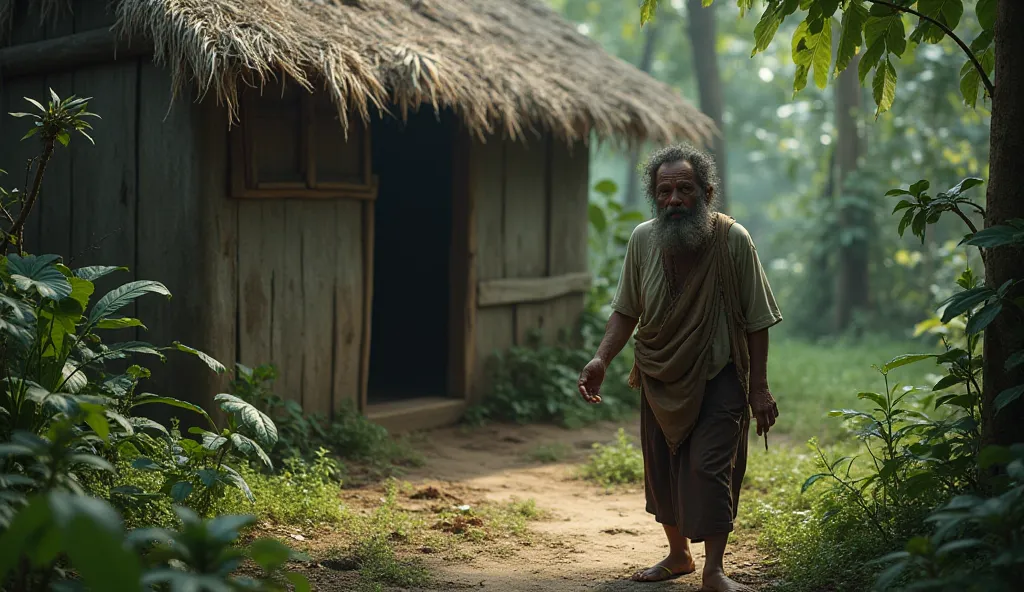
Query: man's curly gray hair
x=704, y=167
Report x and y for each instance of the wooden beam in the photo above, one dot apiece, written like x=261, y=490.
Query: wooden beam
x=462, y=305
x=535, y=289
x=69, y=52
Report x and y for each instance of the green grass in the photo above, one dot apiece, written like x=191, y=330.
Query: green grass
x=809, y=380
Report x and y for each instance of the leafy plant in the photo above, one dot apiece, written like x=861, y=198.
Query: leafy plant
x=610, y=226
x=976, y=542
x=66, y=422
x=616, y=464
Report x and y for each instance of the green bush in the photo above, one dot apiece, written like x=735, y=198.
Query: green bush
x=620, y=463
x=68, y=421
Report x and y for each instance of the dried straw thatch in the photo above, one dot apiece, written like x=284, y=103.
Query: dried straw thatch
x=503, y=65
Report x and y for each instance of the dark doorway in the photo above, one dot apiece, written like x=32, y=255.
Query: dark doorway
x=413, y=226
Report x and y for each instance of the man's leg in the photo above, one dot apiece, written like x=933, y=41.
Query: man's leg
x=714, y=578
x=659, y=477
x=717, y=461
x=679, y=560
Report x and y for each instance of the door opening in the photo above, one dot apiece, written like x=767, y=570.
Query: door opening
x=409, y=335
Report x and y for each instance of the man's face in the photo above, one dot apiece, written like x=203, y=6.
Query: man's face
x=683, y=208
x=676, y=187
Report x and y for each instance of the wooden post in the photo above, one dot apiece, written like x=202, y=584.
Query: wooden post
x=462, y=304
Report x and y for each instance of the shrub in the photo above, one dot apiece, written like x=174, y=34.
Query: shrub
x=620, y=463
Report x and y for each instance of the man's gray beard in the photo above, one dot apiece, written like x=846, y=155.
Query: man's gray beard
x=686, y=235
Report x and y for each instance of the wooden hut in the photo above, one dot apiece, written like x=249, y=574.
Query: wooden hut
x=373, y=195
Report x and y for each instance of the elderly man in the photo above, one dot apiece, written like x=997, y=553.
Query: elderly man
x=692, y=280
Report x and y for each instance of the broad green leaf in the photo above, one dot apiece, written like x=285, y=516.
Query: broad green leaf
x=851, y=36
x=180, y=491
x=647, y=10
x=95, y=272
x=986, y=11
x=766, y=27
x=888, y=29
x=996, y=236
x=947, y=381
x=812, y=49
x=255, y=421
x=248, y=447
x=270, y=554
x=119, y=323
x=963, y=186
x=870, y=58
x=38, y=273
x=884, y=86
x=947, y=12
x=120, y=297
x=961, y=302
x=118, y=351
x=1008, y=396
x=206, y=358
x=811, y=481
x=920, y=187
x=606, y=187
x=904, y=360
x=94, y=540
x=149, y=399
x=597, y=217
x=983, y=318
x=876, y=398
x=227, y=528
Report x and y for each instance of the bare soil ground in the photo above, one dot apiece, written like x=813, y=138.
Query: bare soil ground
x=590, y=539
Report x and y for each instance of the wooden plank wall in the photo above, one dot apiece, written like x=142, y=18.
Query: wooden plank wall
x=300, y=288
x=531, y=216
x=136, y=198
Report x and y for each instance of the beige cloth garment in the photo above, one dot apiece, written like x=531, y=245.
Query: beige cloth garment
x=679, y=342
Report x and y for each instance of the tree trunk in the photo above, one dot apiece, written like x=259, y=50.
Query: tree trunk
x=852, y=277
x=703, y=38
x=1005, y=200
x=632, y=176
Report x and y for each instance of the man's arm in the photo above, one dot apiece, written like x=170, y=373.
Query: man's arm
x=617, y=332
x=757, y=345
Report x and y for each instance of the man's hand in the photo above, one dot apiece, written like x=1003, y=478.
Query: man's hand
x=590, y=381
x=763, y=406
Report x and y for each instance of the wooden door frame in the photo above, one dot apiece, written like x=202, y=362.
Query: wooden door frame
x=462, y=270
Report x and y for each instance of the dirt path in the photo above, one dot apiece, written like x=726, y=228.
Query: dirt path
x=589, y=540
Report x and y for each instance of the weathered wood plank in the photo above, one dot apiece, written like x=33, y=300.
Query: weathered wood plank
x=217, y=266
x=169, y=246
x=319, y=266
x=526, y=230
x=68, y=52
x=288, y=303
x=104, y=175
x=348, y=304
x=462, y=269
x=567, y=251
x=55, y=205
x=255, y=284
x=506, y=291
x=369, y=251
x=494, y=326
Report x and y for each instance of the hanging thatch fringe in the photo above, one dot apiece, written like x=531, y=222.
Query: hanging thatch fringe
x=503, y=65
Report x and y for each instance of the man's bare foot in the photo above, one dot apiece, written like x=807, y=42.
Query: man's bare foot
x=715, y=581
x=668, y=568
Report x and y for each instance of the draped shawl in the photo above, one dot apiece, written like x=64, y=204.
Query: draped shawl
x=671, y=360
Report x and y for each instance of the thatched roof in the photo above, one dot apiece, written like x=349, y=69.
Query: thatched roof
x=502, y=65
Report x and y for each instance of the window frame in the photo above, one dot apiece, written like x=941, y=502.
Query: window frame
x=244, y=181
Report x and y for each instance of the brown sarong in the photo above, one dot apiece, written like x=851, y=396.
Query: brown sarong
x=697, y=489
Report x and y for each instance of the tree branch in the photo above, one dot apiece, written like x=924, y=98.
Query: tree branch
x=967, y=50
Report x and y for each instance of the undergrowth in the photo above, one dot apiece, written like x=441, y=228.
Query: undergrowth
x=536, y=383
x=620, y=463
